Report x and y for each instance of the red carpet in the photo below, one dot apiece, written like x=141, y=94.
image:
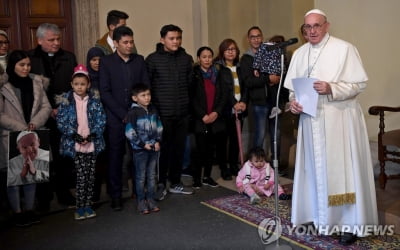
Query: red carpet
x=238, y=207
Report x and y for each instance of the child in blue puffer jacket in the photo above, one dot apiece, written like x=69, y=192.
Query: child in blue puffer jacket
x=144, y=130
x=81, y=120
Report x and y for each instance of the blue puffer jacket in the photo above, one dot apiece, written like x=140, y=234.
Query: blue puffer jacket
x=143, y=126
x=68, y=125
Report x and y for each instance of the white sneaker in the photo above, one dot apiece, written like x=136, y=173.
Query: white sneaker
x=180, y=189
x=255, y=199
x=160, y=193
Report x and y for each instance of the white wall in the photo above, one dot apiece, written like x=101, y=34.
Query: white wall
x=373, y=27
x=369, y=24
x=147, y=17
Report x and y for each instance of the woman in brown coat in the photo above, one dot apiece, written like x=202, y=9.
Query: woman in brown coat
x=23, y=106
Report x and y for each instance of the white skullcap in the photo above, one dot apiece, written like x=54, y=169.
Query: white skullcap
x=2, y=32
x=315, y=11
x=25, y=132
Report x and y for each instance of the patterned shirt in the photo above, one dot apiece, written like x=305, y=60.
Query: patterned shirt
x=268, y=61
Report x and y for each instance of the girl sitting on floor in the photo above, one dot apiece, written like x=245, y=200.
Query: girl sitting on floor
x=256, y=178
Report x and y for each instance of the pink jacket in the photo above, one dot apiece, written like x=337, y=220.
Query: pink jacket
x=257, y=177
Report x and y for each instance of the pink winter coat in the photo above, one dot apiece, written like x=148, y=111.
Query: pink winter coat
x=257, y=177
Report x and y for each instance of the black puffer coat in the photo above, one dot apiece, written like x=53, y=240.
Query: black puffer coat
x=170, y=76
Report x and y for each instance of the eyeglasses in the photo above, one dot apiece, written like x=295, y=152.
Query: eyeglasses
x=255, y=37
x=231, y=49
x=316, y=27
x=4, y=43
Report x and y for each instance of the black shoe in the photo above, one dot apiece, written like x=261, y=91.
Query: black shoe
x=285, y=197
x=226, y=175
x=197, y=184
x=347, y=239
x=209, y=182
x=22, y=220
x=96, y=198
x=69, y=202
x=234, y=171
x=161, y=192
x=43, y=207
x=283, y=173
x=32, y=217
x=116, y=204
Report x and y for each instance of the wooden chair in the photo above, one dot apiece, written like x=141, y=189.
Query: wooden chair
x=386, y=139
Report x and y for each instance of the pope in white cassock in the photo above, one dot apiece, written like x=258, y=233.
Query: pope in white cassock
x=333, y=183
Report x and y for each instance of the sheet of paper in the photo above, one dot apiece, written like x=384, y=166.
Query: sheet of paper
x=306, y=94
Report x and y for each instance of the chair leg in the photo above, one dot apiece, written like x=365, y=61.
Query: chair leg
x=382, y=176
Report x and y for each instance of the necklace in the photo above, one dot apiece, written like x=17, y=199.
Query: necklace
x=316, y=60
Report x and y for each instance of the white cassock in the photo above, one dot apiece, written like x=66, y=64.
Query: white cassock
x=333, y=182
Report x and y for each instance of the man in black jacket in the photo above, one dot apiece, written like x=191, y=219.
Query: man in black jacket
x=119, y=72
x=259, y=90
x=170, y=72
x=50, y=60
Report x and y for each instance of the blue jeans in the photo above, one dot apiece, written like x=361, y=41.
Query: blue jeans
x=260, y=124
x=186, y=154
x=15, y=199
x=145, y=163
x=261, y=119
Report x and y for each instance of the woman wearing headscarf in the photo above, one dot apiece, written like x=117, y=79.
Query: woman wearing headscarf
x=23, y=106
x=92, y=63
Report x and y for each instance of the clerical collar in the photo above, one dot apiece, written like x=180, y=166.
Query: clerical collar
x=50, y=54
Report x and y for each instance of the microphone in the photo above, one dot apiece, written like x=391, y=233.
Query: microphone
x=282, y=44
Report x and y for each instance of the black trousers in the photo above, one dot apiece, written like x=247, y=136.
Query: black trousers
x=209, y=144
x=116, y=150
x=62, y=173
x=232, y=140
x=172, y=149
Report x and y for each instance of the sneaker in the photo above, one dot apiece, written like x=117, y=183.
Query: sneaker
x=285, y=197
x=69, y=202
x=209, y=182
x=21, y=220
x=152, y=205
x=160, y=193
x=32, y=217
x=89, y=212
x=116, y=204
x=79, y=214
x=255, y=199
x=180, y=189
x=142, y=207
x=347, y=239
x=197, y=184
x=283, y=173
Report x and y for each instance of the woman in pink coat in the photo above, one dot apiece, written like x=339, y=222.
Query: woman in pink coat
x=256, y=178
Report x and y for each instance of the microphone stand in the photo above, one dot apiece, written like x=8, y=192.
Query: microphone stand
x=278, y=226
